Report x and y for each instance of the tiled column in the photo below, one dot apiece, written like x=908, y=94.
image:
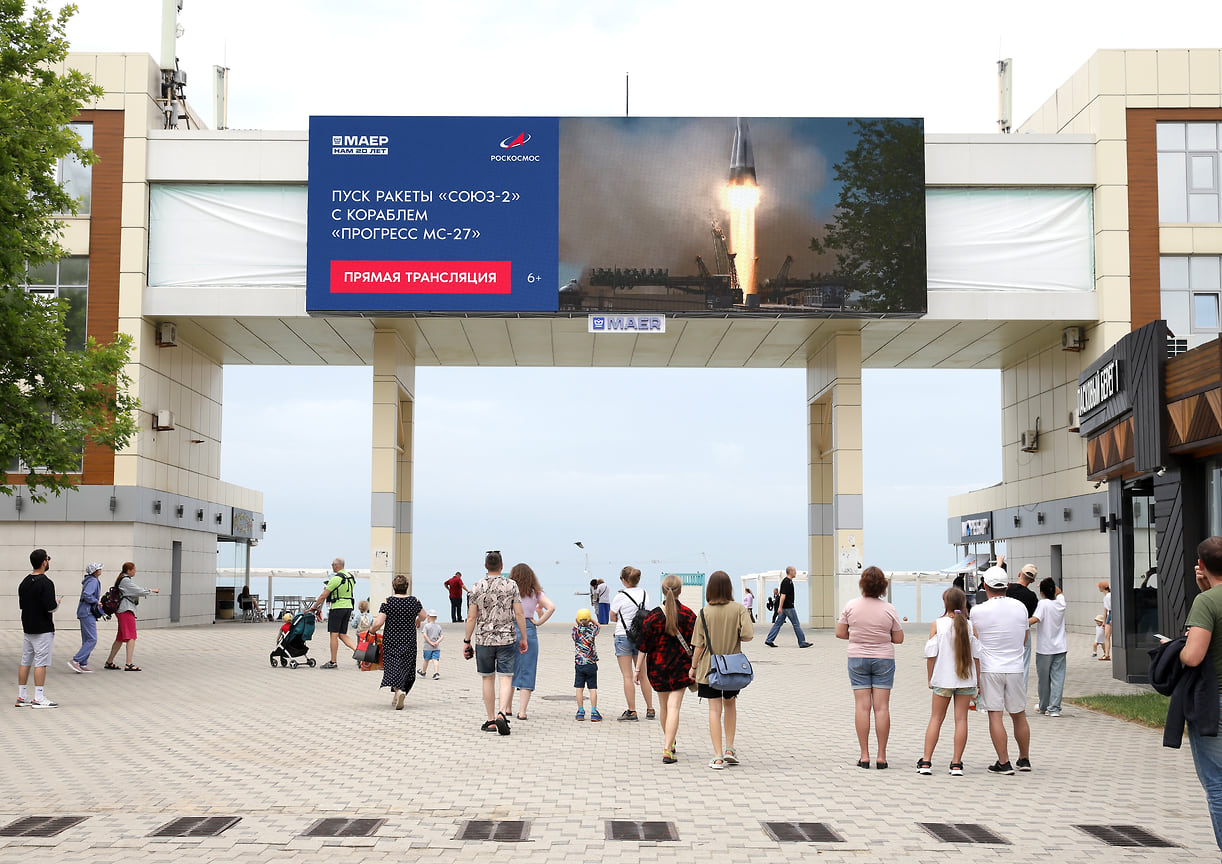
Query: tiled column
x=837, y=547
x=390, y=534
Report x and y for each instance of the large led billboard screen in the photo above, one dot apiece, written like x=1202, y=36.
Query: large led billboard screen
x=760, y=216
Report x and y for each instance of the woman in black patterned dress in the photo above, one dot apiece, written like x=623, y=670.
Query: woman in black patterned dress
x=402, y=616
x=667, y=650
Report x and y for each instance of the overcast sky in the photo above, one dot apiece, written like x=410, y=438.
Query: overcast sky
x=686, y=468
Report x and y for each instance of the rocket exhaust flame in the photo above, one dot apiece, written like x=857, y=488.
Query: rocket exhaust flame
x=742, y=197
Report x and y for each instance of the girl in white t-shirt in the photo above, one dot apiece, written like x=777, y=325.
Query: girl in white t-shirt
x=953, y=665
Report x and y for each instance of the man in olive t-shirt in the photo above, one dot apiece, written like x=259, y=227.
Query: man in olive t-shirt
x=1205, y=638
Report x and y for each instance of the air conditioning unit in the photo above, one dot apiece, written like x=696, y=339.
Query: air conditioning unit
x=1074, y=423
x=1072, y=339
x=167, y=335
x=163, y=420
x=1029, y=441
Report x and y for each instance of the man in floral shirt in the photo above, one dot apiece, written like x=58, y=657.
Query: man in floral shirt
x=495, y=604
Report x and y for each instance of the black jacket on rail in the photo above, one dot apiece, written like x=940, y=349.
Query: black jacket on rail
x=1193, y=691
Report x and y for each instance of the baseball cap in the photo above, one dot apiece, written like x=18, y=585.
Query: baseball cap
x=1030, y=570
x=995, y=577
x=583, y=614
x=432, y=613
x=90, y=569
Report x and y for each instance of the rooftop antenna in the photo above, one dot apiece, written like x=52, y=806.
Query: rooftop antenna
x=173, y=79
x=625, y=94
x=220, y=96
x=1005, y=80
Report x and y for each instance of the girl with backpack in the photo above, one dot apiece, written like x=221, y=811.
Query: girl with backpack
x=631, y=601
x=126, y=616
x=953, y=668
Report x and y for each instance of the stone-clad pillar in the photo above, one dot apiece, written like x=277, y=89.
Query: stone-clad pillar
x=837, y=544
x=390, y=534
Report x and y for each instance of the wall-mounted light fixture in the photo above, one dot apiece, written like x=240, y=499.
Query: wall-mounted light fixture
x=1161, y=471
x=19, y=503
x=218, y=518
x=1066, y=513
x=114, y=503
x=1017, y=521
x=263, y=527
x=178, y=511
x=157, y=506
x=1039, y=517
x=199, y=515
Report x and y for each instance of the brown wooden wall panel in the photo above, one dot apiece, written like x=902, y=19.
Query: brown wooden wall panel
x=1145, y=305
x=105, y=232
x=1193, y=371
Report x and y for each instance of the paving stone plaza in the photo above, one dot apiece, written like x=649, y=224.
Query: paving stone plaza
x=209, y=729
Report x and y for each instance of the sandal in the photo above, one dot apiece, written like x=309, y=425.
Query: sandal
x=668, y=757
x=132, y=667
x=717, y=764
x=110, y=665
x=730, y=756
x=489, y=726
x=924, y=766
x=521, y=716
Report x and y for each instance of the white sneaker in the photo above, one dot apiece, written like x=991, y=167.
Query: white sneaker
x=1054, y=713
x=43, y=703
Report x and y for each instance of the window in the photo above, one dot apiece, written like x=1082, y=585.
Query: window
x=1190, y=288
x=1189, y=188
x=75, y=177
x=67, y=278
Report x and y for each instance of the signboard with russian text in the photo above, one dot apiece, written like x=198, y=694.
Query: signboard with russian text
x=622, y=217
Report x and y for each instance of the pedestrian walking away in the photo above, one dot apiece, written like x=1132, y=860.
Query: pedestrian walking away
x=495, y=608
x=1021, y=590
x=721, y=629
x=455, y=588
x=667, y=653
x=1001, y=627
x=337, y=592
x=401, y=615
x=873, y=629
x=1051, y=647
x=585, y=664
x=630, y=601
x=536, y=609
x=785, y=611
x=952, y=661
x=87, y=614
x=126, y=617
x=37, y=600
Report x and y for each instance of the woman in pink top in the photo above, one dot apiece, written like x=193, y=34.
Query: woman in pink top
x=873, y=629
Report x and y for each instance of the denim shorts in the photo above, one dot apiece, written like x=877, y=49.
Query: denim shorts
x=496, y=659
x=432, y=653
x=871, y=673
x=623, y=648
x=948, y=692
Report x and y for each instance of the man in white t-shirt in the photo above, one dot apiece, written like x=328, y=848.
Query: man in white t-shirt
x=1001, y=627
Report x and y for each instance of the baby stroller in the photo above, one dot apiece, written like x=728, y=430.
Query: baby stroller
x=294, y=645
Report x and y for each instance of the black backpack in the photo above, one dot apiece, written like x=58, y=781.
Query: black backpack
x=110, y=601
x=635, y=630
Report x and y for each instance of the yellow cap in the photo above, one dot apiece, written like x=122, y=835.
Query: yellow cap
x=288, y=616
x=583, y=614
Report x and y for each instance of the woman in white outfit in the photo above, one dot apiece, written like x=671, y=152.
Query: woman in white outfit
x=953, y=667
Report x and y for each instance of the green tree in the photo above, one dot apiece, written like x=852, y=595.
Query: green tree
x=878, y=238
x=52, y=400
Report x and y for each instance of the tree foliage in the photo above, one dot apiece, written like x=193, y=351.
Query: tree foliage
x=52, y=400
x=878, y=238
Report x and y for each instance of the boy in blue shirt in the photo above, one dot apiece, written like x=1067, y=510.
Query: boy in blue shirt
x=585, y=664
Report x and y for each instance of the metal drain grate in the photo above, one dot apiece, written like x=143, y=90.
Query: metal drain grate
x=340, y=827
x=40, y=826
x=501, y=830
x=1124, y=835
x=962, y=832
x=619, y=829
x=801, y=832
x=197, y=826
